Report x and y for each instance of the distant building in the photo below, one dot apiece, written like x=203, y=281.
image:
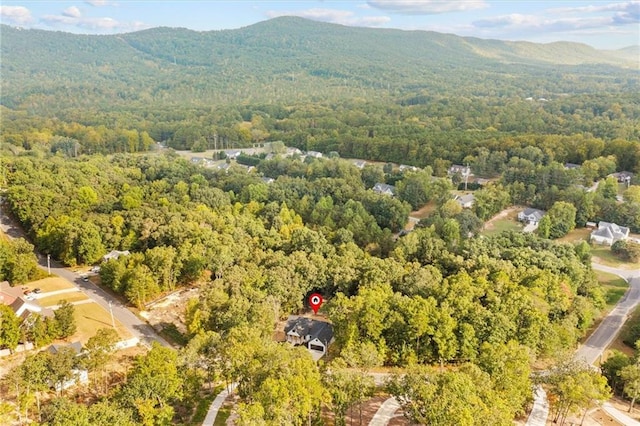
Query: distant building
x=622, y=177
x=114, y=254
x=315, y=335
x=465, y=201
x=359, y=163
x=383, y=188
x=232, y=154
x=465, y=171
x=608, y=233
x=314, y=154
x=531, y=216
x=571, y=166
x=403, y=168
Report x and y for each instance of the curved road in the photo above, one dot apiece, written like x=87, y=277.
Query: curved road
x=599, y=340
x=135, y=325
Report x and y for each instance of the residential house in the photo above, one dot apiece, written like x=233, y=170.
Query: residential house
x=197, y=160
x=267, y=180
x=383, y=188
x=225, y=167
x=232, y=154
x=531, y=216
x=314, y=154
x=608, y=233
x=465, y=171
x=359, y=163
x=623, y=177
x=403, y=168
x=315, y=335
x=292, y=151
x=78, y=375
x=465, y=201
x=17, y=300
x=114, y=254
x=571, y=166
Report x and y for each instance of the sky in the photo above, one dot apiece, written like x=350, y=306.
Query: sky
x=601, y=24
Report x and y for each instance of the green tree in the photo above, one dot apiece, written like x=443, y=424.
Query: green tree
x=630, y=376
x=562, y=216
x=9, y=328
x=60, y=366
x=65, y=319
x=152, y=384
x=98, y=351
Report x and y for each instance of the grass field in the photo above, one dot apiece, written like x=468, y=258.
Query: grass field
x=50, y=284
x=575, y=236
x=58, y=298
x=90, y=318
x=603, y=255
x=614, y=287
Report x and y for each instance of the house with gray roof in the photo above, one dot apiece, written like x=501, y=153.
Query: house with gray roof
x=466, y=201
x=608, y=233
x=531, y=216
x=315, y=335
x=383, y=188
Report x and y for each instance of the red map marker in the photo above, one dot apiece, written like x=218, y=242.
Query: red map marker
x=315, y=300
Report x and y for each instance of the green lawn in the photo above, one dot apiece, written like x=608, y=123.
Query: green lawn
x=603, y=255
x=69, y=297
x=501, y=225
x=614, y=287
x=52, y=283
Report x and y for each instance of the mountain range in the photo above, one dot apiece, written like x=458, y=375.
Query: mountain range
x=291, y=59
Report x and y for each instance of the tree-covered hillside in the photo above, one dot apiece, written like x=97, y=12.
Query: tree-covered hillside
x=287, y=58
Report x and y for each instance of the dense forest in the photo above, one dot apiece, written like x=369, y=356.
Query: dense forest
x=431, y=296
x=89, y=129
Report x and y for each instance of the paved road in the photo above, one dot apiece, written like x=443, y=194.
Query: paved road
x=135, y=325
x=599, y=340
x=602, y=337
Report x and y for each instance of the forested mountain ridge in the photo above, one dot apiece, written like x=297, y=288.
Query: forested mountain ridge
x=286, y=58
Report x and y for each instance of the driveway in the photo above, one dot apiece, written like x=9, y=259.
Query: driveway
x=135, y=325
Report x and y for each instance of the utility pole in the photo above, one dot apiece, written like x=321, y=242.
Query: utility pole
x=49, y=264
x=113, y=321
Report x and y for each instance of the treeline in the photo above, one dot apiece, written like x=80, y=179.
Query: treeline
x=18, y=263
x=438, y=130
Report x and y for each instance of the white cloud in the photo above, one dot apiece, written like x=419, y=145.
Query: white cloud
x=104, y=24
x=72, y=12
x=334, y=16
x=100, y=3
x=16, y=15
x=566, y=19
x=426, y=7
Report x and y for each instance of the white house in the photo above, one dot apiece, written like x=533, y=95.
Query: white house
x=232, y=154
x=359, y=163
x=114, y=254
x=465, y=201
x=316, y=336
x=465, y=171
x=531, y=216
x=608, y=233
x=314, y=154
x=78, y=376
x=404, y=168
x=383, y=188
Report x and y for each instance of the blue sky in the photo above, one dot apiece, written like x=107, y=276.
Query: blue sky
x=602, y=24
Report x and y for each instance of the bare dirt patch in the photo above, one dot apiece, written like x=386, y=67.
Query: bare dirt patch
x=170, y=309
